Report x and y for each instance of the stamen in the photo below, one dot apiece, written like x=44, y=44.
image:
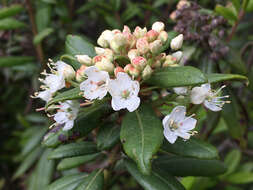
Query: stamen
x=50, y=127
x=40, y=109
x=219, y=89
x=192, y=115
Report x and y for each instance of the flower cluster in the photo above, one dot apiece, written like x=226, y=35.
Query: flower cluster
x=106, y=73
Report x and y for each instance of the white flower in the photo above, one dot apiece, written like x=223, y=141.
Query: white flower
x=177, y=42
x=180, y=90
x=67, y=114
x=64, y=69
x=124, y=92
x=176, y=124
x=210, y=98
x=95, y=86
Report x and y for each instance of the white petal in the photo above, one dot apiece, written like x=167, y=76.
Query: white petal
x=133, y=104
x=180, y=90
x=206, y=86
x=45, y=95
x=60, y=117
x=117, y=104
x=183, y=134
x=170, y=136
x=165, y=120
x=198, y=94
x=178, y=113
x=212, y=106
x=188, y=124
x=68, y=125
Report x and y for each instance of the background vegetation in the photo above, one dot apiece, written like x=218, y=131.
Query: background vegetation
x=33, y=31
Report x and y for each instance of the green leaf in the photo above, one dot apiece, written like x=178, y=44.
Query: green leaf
x=52, y=138
x=226, y=12
x=15, y=60
x=43, y=34
x=181, y=166
x=34, y=140
x=237, y=5
x=43, y=172
x=73, y=149
x=95, y=181
x=69, y=182
x=141, y=135
x=27, y=162
x=217, y=77
x=43, y=15
x=249, y=6
x=76, y=45
x=232, y=161
x=68, y=163
x=11, y=24
x=108, y=135
x=50, y=1
x=10, y=11
x=71, y=94
x=240, y=178
x=177, y=76
x=155, y=181
x=191, y=148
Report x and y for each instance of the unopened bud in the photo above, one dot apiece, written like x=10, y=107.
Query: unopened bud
x=102, y=42
x=155, y=46
x=97, y=58
x=158, y=26
x=163, y=36
x=139, y=32
x=66, y=70
x=117, y=70
x=99, y=51
x=116, y=31
x=118, y=43
x=151, y=35
x=105, y=65
x=84, y=59
x=126, y=29
x=131, y=39
x=80, y=76
x=156, y=64
x=169, y=61
x=130, y=69
x=105, y=38
x=139, y=62
x=108, y=54
x=177, y=42
x=133, y=53
x=173, y=15
x=161, y=57
x=178, y=55
x=146, y=73
x=183, y=3
x=142, y=45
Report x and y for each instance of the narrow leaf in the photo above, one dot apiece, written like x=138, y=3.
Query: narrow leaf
x=217, y=77
x=43, y=34
x=11, y=24
x=240, y=178
x=141, y=135
x=15, y=60
x=10, y=11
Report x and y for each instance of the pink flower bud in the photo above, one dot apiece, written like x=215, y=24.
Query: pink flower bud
x=139, y=62
x=163, y=36
x=80, y=76
x=173, y=15
x=105, y=65
x=155, y=46
x=170, y=61
x=130, y=69
x=126, y=29
x=177, y=42
x=156, y=64
x=84, y=59
x=97, y=58
x=178, y=55
x=146, y=73
x=133, y=53
x=139, y=33
x=117, y=70
x=108, y=54
x=158, y=26
x=118, y=43
x=152, y=35
x=116, y=31
x=142, y=45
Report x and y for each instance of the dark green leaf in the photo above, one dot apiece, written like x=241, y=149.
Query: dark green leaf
x=50, y=1
x=13, y=61
x=76, y=45
x=108, y=136
x=10, y=11
x=232, y=161
x=69, y=182
x=71, y=94
x=73, y=149
x=180, y=166
x=11, y=24
x=217, y=77
x=191, y=148
x=155, y=181
x=43, y=15
x=177, y=76
x=27, y=162
x=43, y=34
x=237, y=5
x=68, y=163
x=141, y=135
x=240, y=178
x=95, y=181
x=250, y=6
